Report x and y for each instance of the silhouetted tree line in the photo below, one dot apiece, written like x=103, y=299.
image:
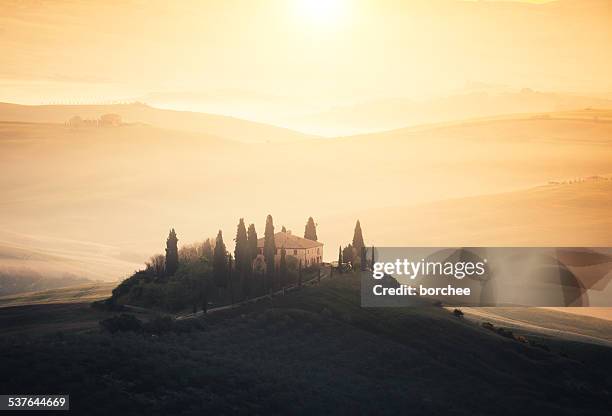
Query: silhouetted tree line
x=198, y=274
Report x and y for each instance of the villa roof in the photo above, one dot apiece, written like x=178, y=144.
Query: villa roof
x=290, y=241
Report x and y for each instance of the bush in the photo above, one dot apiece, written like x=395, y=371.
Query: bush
x=160, y=325
x=122, y=323
x=174, y=293
x=505, y=333
x=489, y=326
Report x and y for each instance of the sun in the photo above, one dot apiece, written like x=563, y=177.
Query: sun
x=321, y=12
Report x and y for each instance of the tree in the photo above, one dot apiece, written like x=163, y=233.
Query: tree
x=207, y=250
x=348, y=254
x=157, y=264
x=362, y=261
x=171, y=253
x=358, y=243
x=283, y=230
x=340, y=257
x=220, y=262
x=241, y=252
x=269, y=250
x=252, y=241
x=282, y=269
x=373, y=258
x=310, y=232
x=251, y=253
x=230, y=279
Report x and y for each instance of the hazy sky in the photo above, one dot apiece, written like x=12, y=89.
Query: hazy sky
x=327, y=50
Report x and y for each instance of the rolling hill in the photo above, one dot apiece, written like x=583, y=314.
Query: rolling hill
x=209, y=124
x=394, y=113
x=118, y=190
x=75, y=293
x=556, y=215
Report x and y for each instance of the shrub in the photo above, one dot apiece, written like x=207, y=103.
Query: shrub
x=159, y=325
x=522, y=339
x=488, y=325
x=505, y=333
x=122, y=323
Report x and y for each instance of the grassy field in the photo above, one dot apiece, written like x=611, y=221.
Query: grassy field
x=314, y=350
x=75, y=294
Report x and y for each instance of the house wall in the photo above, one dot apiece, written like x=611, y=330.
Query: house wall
x=309, y=257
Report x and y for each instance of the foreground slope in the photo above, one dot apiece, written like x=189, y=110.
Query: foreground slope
x=313, y=351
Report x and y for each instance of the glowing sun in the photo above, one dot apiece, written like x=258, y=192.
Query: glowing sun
x=321, y=11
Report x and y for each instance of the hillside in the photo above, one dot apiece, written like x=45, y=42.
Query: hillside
x=209, y=124
x=393, y=113
x=76, y=293
x=316, y=342
x=14, y=281
x=554, y=215
x=116, y=191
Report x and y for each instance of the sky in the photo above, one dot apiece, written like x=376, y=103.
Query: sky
x=310, y=51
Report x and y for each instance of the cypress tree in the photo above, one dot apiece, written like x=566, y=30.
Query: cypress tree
x=283, y=267
x=252, y=241
x=220, y=262
x=339, y=257
x=241, y=252
x=373, y=258
x=171, y=253
x=283, y=230
x=230, y=279
x=310, y=231
x=358, y=243
x=248, y=282
x=269, y=251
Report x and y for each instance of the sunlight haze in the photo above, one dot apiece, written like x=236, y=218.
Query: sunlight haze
x=299, y=57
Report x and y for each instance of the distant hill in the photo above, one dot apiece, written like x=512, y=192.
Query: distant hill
x=572, y=214
x=20, y=280
x=59, y=292
x=214, y=125
x=393, y=113
x=118, y=190
x=32, y=263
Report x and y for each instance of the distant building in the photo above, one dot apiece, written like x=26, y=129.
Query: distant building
x=106, y=120
x=75, y=121
x=110, y=120
x=309, y=252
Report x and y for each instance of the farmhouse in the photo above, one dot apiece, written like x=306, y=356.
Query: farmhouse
x=309, y=252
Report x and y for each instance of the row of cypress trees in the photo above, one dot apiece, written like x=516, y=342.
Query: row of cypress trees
x=246, y=251
x=233, y=272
